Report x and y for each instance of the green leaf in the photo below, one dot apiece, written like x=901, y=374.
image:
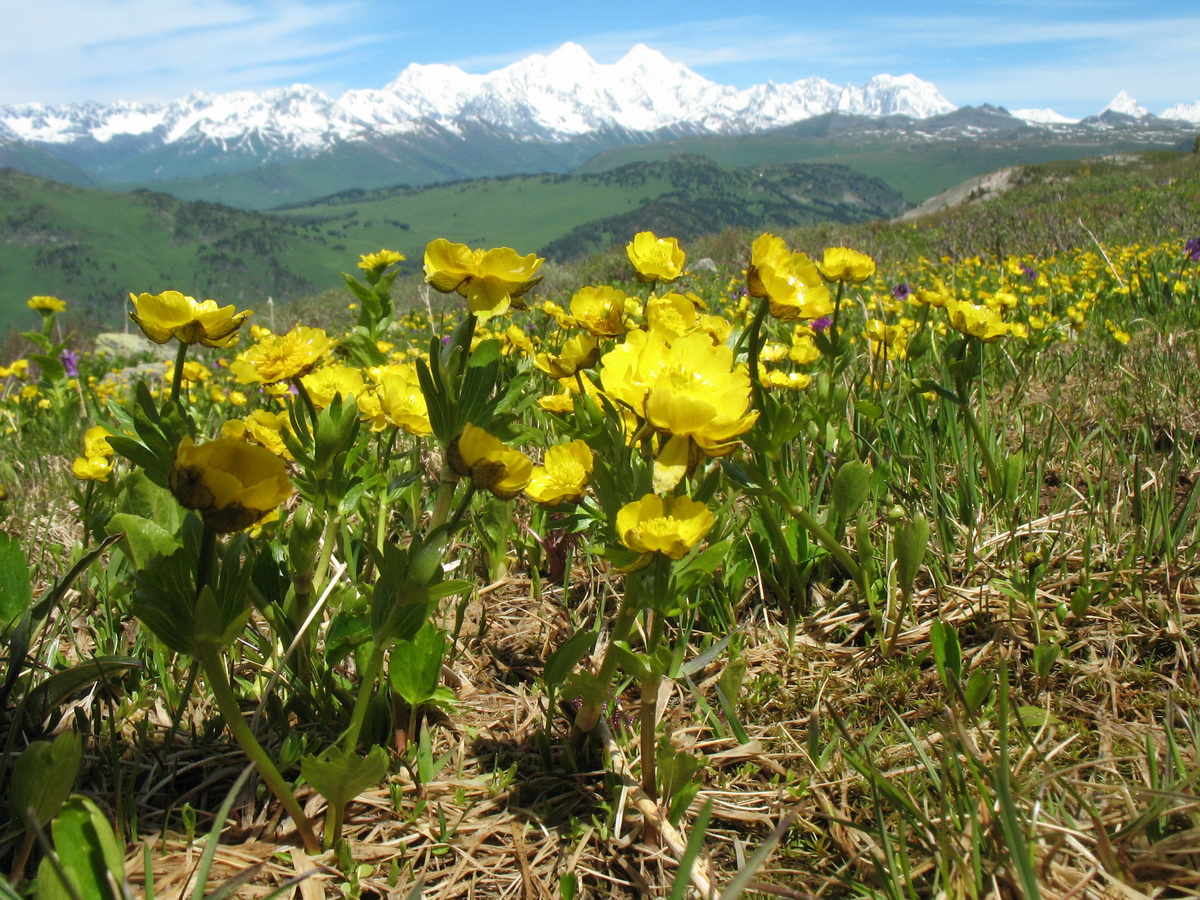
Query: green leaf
x=141, y=539
x=340, y=775
x=16, y=590
x=88, y=852
x=909, y=545
x=416, y=665
x=947, y=653
x=851, y=486
x=52, y=692
x=43, y=776
x=560, y=663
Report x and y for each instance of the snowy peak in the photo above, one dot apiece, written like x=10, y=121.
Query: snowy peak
x=1188, y=112
x=1043, y=117
x=1126, y=106
x=555, y=96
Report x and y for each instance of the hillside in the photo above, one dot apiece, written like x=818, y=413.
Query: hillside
x=918, y=158
x=565, y=217
x=92, y=247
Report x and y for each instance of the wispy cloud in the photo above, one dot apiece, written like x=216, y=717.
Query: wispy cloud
x=156, y=50
x=1073, y=54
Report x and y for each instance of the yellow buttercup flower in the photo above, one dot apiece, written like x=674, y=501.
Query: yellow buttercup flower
x=578, y=353
x=262, y=427
x=280, y=357
x=377, y=262
x=175, y=315
x=325, y=383
x=95, y=441
x=789, y=280
x=655, y=258
x=844, y=264
x=231, y=483
x=563, y=476
x=976, y=321
x=489, y=279
x=46, y=305
x=491, y=466
x=697, y=393
x=671, y=315
x=601, y=310
x=396, y=400
x=670, y=525
x=92, y=468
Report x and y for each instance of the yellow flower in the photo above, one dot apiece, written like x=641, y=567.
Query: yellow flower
x=977, y=321
x=789, y=280
x=671, y=525
x=231, y=483
x=92, y=468
x=627, y=370
x=490, y=465
x=489, y=279
x=262, y=427
x=46, y=305
x=601, y=310
x=326, y=382
x=844, y=264
x=578, y=353
x=377, y=262
x=697, y=393
x=671, y=315
x=396, y=400
x=564, y=476
x=192, y=371
x=95, y=441
x=280, y=357
x=175, y=315
x=655, y=258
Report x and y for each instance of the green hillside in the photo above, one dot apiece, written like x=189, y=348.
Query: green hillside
x=917, y=164
x=565, y=217
x=92, y=247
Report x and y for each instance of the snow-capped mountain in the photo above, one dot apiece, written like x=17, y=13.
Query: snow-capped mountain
x=1126, y=106
x=556, y=96
x=1043, y=117
x=1188, y=112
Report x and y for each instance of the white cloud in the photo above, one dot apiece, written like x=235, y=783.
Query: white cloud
x=148, y=49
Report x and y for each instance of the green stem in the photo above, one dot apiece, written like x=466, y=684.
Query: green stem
x=177, y=375
x=589, y=714
x=755, y=350
x=328, y=539
x=365, y=687
x=227, y=704
x=830, y=543
x=447, y=480
x=307, y=399
x=835, y=343
x=989, y=463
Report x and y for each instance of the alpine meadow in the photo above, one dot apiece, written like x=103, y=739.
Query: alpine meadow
x=587, y=481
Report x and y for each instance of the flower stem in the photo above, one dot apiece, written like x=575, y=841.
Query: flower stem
x=218, y=682
x=177, y=375
x=365, y=687
x=830, y=543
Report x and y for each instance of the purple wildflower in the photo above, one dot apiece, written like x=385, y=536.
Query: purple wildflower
x=821, y=324
x=70, y=361
x=1029, y=273
x=1192, y=249
x=902, y=290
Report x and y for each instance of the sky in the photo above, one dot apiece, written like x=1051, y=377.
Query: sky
x=1073, y=57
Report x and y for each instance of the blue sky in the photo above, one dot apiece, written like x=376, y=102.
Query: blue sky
x=1070, y=56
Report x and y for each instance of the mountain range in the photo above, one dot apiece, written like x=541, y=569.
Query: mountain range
x=544, y=113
